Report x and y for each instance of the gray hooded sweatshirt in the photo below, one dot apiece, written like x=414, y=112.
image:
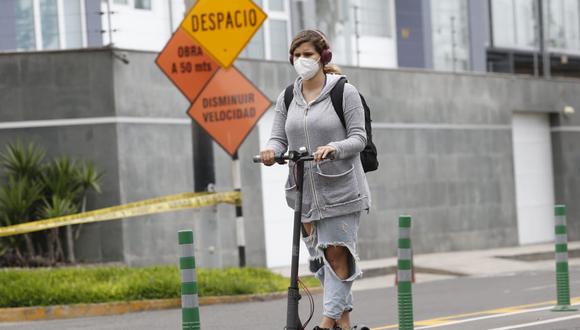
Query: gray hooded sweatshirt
x=331, y=187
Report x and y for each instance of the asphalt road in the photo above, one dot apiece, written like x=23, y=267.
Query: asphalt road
x=508, y=301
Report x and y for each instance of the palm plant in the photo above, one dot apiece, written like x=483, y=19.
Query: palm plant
x=35, y=189
x=54, y=207
x=89, y=179
x=17, y=203
x=61, y=181
x=22, y=161
x=23, y=165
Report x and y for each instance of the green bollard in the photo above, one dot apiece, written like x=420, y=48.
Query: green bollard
x=562, y=271
x=189, y=299
x=405, y=274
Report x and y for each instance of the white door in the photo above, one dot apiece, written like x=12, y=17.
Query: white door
x=278, y=217
x=534, y=177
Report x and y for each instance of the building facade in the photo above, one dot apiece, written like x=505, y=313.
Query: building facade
x=478, y=159
x=507, y=36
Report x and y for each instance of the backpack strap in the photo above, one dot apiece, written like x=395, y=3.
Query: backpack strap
x=336, y=96
x=288, y=96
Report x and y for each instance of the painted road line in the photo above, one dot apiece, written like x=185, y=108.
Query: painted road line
x=532, y=324
x=494, y=316
x=536, y=288
x=476, y=316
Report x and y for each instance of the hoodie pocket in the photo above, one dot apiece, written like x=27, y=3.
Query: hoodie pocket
x=292, y=192
x=337, y=182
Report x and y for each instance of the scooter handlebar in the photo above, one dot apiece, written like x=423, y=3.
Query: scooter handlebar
x=300, y=155
x=281, y=159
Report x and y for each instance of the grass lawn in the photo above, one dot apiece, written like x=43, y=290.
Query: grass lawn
x=73, y=285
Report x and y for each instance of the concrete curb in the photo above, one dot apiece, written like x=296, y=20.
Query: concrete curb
x=23, y=314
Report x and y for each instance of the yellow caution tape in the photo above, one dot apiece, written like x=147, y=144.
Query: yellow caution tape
x=150, y=206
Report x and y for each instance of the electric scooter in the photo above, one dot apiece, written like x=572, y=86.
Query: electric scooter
x=298, y=157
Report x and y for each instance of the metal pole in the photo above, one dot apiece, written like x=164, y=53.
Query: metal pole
x=405, y=274
x=204, y=180
x=170, y=16
x=357, y=34
x=453, y=43
x=490, y=17
x=109, y=23
x=542, y=35
x=292, y=317
x=241, y=235
x=562, y=270
x=189, y=298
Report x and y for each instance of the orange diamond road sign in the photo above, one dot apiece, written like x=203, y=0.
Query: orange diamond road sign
x=223, y=27
x=186, y=64
x=228, y=108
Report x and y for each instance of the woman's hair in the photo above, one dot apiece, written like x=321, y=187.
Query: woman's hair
x=319, y=42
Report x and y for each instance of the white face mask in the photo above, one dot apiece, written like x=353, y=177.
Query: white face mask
x=306, y=68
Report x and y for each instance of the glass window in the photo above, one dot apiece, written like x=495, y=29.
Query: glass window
x=73, y=23
x=276, y=5
x=49, y=24
x=336, y=20
x=121, y=2
x=375, y=18
x=450, y=35
x=563, y=24
x=143, y=4
x=515, y=23
x=255, y=48
x=24, y=19
x=278, y=39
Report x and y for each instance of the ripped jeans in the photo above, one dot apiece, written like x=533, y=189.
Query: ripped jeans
x=338, y=231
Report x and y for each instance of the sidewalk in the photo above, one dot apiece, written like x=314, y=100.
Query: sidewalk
x=378, y=273
x=436, y=266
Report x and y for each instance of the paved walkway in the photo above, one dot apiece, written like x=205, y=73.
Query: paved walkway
x=438, y=266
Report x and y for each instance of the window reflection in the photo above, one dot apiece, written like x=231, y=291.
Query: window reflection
x=563, y=24
x=450, y=35
x=24, y=20
x=143, y=4
x=73, y=23
x=278, y=39
x=515, y=23
x=49, y=23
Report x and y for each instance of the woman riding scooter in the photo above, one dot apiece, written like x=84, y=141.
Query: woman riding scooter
x=335, y=189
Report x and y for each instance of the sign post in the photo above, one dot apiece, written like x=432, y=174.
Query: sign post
x=198, y=60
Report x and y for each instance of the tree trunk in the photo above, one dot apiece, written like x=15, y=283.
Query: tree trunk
x=59, y=252
x=29, y=246
x=70, y=245
x=50, y=245
x=83, y=210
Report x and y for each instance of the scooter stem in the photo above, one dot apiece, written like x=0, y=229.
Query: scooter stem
x=293, y=319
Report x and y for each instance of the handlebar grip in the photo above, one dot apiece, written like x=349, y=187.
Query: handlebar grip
x=257, y=159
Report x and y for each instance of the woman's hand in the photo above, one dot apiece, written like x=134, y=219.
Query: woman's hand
x=324, y=152
x=268, y=157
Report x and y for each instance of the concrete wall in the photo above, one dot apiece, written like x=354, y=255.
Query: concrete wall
x=43, y=98
x=444, y=144
x=566, y=152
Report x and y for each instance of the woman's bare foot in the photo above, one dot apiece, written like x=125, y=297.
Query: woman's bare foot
x=327, y=323
x=344, y=321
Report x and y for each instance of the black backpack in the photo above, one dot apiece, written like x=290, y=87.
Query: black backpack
x=368, y=156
